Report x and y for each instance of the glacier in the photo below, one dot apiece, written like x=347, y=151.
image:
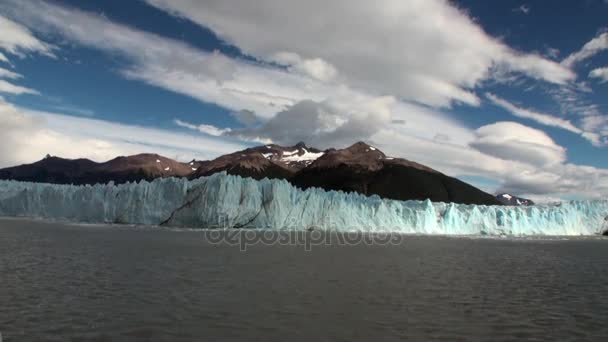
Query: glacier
x=225, y=201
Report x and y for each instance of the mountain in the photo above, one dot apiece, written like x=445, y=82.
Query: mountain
x=359, y=168
x=269, y=161
x=365, y=169
x=508, y=199
x=83, y=171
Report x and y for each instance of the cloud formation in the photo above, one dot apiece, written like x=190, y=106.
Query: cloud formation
x=9, y=74
x=600, y=73
x=27, y=136
x=9, y=88
x=544, y=119
x=329, y=83
x=324, y=123
x=18, y=40
x=207, y=129
x=588, y=50
x=513, y=141
x=453, y=54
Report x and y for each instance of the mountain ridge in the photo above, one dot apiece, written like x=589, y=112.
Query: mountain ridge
x=360, y=168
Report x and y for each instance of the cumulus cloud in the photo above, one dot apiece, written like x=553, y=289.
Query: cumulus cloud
x=324, y=123
x=519, y=176
x=513, y=141
x=600, y=73
x=27, y=136
x=588, y=50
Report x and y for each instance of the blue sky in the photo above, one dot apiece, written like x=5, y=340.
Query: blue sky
x=508, y=95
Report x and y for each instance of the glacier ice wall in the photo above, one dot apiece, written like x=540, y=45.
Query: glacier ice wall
x=224, y=201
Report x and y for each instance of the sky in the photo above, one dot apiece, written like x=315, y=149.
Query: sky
x=510, y=96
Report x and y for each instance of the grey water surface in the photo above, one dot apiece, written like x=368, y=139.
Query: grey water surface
x=61, y=282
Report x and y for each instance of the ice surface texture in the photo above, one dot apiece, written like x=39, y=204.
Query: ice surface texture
x=224, y=201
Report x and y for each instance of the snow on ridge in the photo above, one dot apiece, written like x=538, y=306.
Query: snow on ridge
x=167, y=169
x=289, y=154
x=507, y=196
x=267, y=155
x=158, y=160
x=306, y=157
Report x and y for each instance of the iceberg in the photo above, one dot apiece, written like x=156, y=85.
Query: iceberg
x=225, y=201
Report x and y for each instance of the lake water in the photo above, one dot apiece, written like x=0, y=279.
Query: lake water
x=62, y=282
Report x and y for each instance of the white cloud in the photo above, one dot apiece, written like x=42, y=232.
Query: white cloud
x=513, y=141
x=544, y=119
x=601, y=73
x=3, y=58
x=560, y=180
x=326, y=124
x=316, y=68
x=9, y=88
x=588, y=50
x=552, y=52
x=27, y=136
x=426, y=51
x=9, y=74
x=17, y=39
x=207, y=129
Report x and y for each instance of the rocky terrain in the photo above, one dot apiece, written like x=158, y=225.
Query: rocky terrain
x=359, y=168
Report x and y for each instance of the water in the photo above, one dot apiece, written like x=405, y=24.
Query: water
x=61, y=282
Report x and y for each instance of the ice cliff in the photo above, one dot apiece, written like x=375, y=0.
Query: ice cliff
x=224, y=201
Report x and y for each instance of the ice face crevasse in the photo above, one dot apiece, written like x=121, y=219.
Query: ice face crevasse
x=224, y=201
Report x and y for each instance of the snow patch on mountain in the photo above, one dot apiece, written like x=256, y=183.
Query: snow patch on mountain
x=307, y=156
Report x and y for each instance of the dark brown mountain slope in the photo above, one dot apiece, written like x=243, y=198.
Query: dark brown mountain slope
x=359, y=168
x=84, y=171
x=269, y=161
x=364, y=169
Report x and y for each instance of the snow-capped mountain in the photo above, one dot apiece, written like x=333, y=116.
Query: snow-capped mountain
x=508, y=199
x=268, y=161
x=365, y=169
x=360, y=168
